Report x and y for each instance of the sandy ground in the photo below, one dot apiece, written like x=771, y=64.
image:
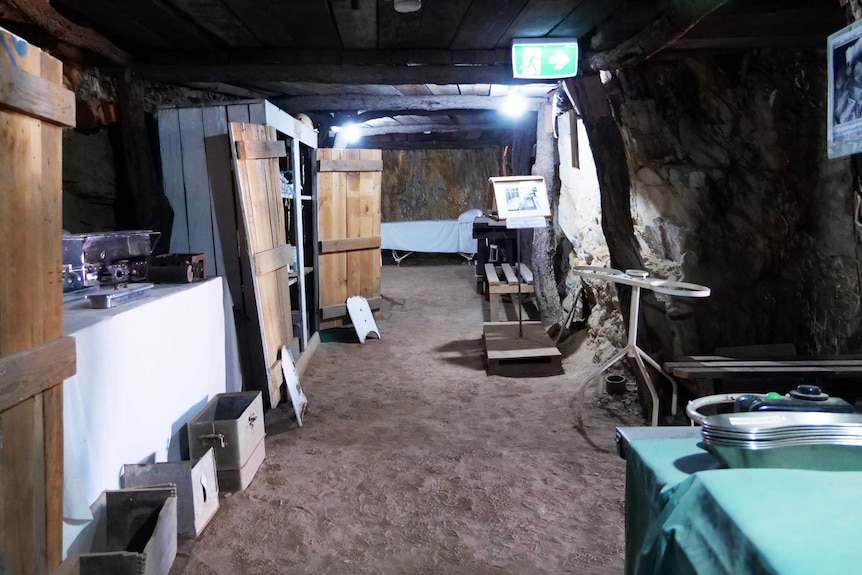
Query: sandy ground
x=413, y=460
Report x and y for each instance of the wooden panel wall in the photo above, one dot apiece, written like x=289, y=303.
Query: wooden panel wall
x=348, y=196
x=196, y=176
x=31, y=306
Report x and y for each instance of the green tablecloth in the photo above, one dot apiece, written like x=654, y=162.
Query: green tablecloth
x=684, y=515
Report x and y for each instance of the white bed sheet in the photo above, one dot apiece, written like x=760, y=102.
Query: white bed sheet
x=431, y=236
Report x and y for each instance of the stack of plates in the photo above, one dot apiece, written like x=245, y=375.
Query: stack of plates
x=796, y=440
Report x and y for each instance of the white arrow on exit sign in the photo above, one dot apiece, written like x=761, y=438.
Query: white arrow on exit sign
x=559, y=59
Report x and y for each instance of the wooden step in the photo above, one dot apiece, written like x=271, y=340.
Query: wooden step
x=511, y=354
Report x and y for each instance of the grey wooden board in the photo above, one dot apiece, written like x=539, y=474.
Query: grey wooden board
x=238, y=113
x=257, y=113
x=217, y=150
x=196, y=178
x=171, y=153
x=197, y=488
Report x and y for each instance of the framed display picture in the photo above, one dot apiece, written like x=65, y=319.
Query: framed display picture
x=844, y=107
x=518, y=197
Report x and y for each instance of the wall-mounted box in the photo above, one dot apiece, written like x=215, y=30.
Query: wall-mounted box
x=232, y=425
x=196, y=483
x=139, y=534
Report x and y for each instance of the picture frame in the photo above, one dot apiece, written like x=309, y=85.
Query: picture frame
x=844, y=102
x=518, y=197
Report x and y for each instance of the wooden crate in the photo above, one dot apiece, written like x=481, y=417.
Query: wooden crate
x=34, y=358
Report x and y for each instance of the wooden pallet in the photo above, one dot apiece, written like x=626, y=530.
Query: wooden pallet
x=504, y=281
x=511, y=355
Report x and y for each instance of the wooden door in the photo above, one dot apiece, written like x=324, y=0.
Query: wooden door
x=348, y=199
x=34, y=357
x=255, y=152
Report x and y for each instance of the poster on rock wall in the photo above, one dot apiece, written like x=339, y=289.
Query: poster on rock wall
x=844, y=111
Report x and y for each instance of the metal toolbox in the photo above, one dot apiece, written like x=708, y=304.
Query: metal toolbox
x=231, y=424
x=239, y=479
x=196, y=483
x=138, y=534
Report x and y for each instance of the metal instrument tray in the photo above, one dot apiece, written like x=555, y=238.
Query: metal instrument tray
x=118, y=295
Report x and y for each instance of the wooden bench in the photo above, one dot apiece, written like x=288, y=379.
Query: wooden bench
x=698, y=372
x=503, y=280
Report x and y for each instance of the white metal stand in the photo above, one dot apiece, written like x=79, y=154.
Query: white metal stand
x=638, y=279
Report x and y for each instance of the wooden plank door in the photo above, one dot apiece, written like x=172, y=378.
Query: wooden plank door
x=348, y=198
x=255, y=152
x=34, y=357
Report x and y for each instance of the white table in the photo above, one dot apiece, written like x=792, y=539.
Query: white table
x=144, y=369
x=639, y=279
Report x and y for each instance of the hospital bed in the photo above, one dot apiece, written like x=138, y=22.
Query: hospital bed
x=431, y=236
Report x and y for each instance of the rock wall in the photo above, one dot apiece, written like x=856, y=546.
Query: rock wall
x=731, y=188
x=435, y=184
x=91, y=199
x=579, y=217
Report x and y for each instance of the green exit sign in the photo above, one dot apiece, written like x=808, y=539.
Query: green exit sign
x=544, y=58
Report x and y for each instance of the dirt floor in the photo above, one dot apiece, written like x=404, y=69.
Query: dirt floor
x=413, y=460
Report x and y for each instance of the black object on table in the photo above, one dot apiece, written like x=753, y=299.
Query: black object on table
x=488, y=232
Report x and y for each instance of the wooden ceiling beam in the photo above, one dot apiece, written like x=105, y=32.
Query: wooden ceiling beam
x=786, y=27
x=331, y=74
x=437, y=145
x=284, y=56
x=679, y=17
x=395, y=104
x=429, y=128
x=43, y=16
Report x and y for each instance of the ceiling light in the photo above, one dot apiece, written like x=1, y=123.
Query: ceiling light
x=407, y=5
x=514, y=105
x=352, y=133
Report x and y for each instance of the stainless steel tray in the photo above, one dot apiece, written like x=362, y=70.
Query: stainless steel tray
x=118, y=295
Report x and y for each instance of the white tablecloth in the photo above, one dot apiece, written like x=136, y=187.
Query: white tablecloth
x=143, y=370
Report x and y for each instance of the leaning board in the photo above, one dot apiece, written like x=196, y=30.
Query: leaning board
x=255, y=152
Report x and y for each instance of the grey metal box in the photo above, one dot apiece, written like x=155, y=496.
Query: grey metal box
x=196, y=483
x=239, y=479
x=140, y=534
x=230, y=423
